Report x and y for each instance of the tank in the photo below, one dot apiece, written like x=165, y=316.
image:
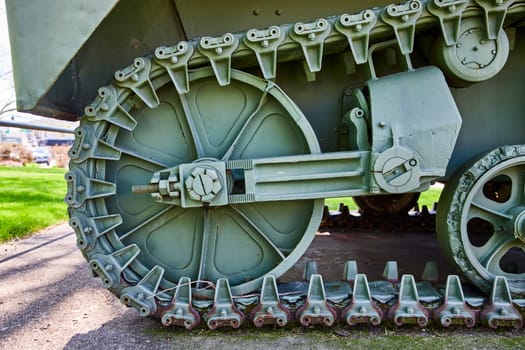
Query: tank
x=212, y=131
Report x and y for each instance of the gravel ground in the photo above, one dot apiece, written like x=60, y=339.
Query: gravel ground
x=49, y=300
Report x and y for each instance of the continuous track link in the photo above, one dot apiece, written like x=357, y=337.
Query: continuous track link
x=190, y=303
x=353, y=300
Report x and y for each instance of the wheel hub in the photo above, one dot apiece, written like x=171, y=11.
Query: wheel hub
x=203, y=184
x=519, y=226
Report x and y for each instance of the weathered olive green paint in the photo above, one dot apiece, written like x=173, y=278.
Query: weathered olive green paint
x=188, y=164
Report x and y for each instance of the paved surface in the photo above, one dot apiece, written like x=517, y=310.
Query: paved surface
x=49, y=300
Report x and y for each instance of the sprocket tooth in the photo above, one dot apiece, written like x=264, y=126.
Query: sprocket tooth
x=495, y=13
x=142, y=296
x=219, y=51
x=316, y=310
x=224, y=313
x=88, y=146
x=136, y=78
x=175, y=60
x=501, y=311
x=264, y=43
x=362, y=309
x=357, y=29
x=449, y=13
x=81, y=188
x=454, y=310
x=269, y=311
x=109, y=267
x=408, y=310
x=311, y=37
x=402, y=18
x=181, y=311
x=106, y=107
x=89, y=229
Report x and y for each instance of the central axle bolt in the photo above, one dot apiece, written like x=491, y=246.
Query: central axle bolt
x=203, y=184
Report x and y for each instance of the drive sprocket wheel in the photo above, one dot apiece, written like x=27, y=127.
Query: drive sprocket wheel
x=481, y=219
x=153, y=244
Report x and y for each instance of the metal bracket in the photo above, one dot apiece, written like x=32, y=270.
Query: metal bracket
x=362, y=309
x=181, y=312
x=454, y=310
x=136, y=78
x=224, y=313
x=81, y=188
x=109, y=267
x=87, y=145
x=106, y=107
x=219, y=51
x=270, y=311
x=311, y=37
x=402, y=18
x=449, y=13
x=264, y=43
x=89, y=229
x=142, y=295
x=175, y=60
x=408, y=310
x=316, y=309
x=501, y=311
x=357, y=29
x=495, y=12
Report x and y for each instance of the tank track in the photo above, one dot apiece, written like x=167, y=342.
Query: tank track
x=351, y=301
x=354, y=300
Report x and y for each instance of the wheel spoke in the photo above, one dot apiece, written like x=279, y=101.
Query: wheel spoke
x=264, y=230
x=498, y=243
x=484, y=208
x=158, y=165
x=190, y=121
x=207, y=226
x=517, y=177
x=153, y=222
x=242, y=133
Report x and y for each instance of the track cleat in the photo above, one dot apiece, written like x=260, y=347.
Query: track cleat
x=310, y=269
x=390, y=273
x=181, y=311
x=270, y=311
x=454, y=310
x=501, y=311
x=350, y=271
x=408, y=310
x=362, y=309
x=316, y=309
x=430, y=272
x=223, y=312
x=142, y=296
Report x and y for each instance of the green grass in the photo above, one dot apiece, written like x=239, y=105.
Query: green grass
x=30, y=199
x=427, y=198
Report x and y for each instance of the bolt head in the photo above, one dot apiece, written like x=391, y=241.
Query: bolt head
x=203, y=184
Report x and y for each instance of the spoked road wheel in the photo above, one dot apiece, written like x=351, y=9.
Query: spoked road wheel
x=388, y=204
x=481, y=219
x=132, y=240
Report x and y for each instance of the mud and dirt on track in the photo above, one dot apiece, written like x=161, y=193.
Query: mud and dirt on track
x=49, y=300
